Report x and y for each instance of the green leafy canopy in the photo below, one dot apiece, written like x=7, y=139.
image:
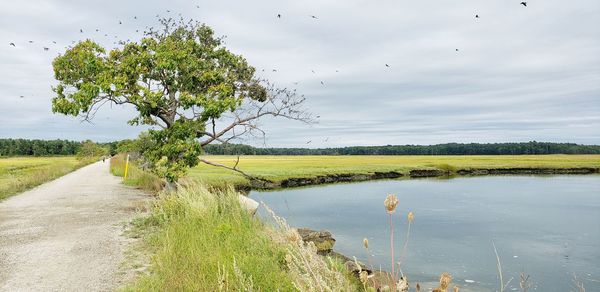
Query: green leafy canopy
x=180, y=79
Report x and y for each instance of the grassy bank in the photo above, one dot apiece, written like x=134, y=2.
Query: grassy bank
x=202, y=240
x=279, y=168
x=135, y=176
x=18, y=174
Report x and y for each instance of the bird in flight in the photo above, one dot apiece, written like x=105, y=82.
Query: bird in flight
x=308, y=142
x=278, y=15
x=46, y=48
x=274, y=70
x=31, y=42
x=524, y=3
x=457, y=50
x=312, y=16
x=21, y=96
x=13, y=44
x=120, y=22
x=81, y=30
x=135, y=17
x=313, y=71
x=476, y=15
x=387, y=65
x=322, y=83
x=97, y=30
x=54, y=42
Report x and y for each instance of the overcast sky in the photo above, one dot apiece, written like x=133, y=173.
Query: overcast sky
x=520, y=73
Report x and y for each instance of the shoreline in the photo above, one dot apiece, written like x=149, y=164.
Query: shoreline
x=294, y=182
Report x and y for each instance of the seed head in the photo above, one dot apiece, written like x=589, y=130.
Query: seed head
x=294, y=237
x=411, y=216
x=391, y=202
x=402, y=284
x=363, y=276
x=445, y=280
x=366, y=243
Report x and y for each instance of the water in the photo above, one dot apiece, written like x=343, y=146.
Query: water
x=547, y=227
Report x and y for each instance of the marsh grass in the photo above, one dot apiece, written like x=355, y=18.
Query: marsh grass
x=201, y=240
x=278, y=168
x=18, y=174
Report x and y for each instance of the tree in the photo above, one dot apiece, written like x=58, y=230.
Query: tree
x=90, y=149
x=182, y=81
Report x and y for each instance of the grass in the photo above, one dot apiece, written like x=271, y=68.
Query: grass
x=206, y=242
x=18, y=174
x=135, y=177
x=203, y=240
x=278, y=168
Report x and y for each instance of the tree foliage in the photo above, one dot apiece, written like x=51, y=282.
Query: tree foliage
x=182, y=81
x=24, y=147
x=90, y=149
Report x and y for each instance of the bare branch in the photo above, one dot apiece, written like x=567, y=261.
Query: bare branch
x=283, y=103
x=234, y=168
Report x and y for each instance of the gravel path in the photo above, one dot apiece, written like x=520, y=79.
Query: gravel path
x=67, y=235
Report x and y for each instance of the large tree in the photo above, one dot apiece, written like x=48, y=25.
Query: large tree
x=182, y=81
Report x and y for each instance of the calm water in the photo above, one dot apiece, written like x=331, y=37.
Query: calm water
x=547, y=227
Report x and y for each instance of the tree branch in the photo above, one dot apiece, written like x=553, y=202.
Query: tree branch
x=234, y=168
x=280, y=103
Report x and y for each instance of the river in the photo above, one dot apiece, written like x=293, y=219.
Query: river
x=547, y=227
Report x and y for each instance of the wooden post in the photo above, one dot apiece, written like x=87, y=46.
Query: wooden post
x=126, y=167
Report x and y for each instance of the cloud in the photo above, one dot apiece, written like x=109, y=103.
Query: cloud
x=520, y=73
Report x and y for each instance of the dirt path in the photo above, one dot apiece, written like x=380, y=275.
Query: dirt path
x=66, y=235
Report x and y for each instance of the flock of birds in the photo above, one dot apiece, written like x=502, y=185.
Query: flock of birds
x=279, y=16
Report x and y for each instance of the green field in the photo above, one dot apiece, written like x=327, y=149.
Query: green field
x=278, y=168
x=21, y=173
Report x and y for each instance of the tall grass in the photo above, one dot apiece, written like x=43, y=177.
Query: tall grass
x=310, y=271
x=18, y=174
x=135, y=176
x=396, y=280
x=207, y=242
x=201, y=239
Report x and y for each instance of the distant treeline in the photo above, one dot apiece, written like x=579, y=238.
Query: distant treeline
x=439, y=149
x=26, y=147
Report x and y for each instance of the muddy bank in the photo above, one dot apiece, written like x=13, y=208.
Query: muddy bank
x=541, y=171
x=347, y=177
x=264, y=184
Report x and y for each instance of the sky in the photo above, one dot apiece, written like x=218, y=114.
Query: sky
x=520, y=73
